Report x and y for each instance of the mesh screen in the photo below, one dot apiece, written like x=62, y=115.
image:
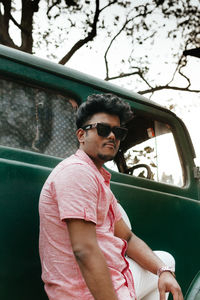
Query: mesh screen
x=36, y=119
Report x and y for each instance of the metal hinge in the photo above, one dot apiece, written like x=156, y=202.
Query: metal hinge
x=197, y=172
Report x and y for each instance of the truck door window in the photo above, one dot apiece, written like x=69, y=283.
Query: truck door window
x=36, y=119
x=157, y=157
x=150, y=152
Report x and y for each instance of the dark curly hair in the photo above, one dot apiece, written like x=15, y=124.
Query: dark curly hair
x=105, y=103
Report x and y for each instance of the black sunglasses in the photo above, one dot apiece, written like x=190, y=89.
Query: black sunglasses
x=105, y=129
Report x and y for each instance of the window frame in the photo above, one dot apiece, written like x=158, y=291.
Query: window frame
x=184, y=147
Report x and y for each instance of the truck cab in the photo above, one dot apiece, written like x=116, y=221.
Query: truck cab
x=154, y=176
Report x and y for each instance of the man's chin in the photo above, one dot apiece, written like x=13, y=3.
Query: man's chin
x=105, y=157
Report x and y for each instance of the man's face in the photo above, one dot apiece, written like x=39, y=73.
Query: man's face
x=100, y=149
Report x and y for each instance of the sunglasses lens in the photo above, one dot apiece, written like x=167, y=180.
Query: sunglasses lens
x=120, y=133
x=103, y=129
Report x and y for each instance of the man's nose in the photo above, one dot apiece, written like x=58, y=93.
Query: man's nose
x=111, y=136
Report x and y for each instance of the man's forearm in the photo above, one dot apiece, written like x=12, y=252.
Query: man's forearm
x=146, y=258
x=143, y=255
x=96, y=274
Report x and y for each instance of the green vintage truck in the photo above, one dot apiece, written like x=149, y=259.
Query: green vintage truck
x=154, y=176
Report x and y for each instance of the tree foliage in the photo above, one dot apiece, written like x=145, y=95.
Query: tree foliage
x=127, y=31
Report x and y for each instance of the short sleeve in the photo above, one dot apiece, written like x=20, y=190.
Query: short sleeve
x=124, y=216
x=118, y=214
x=75, y=189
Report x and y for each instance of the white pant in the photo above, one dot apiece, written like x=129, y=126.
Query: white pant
x=146, y=283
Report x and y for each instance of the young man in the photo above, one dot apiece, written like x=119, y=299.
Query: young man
x=84, y=241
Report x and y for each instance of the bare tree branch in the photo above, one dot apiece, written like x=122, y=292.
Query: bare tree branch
x=174, y=74
x=52, y=6
x=150, y=36
x=115, y=37
x=183, y=63
x=109, y=46
x=18, y=25
x=167, y=87
x=28, y=9
x=109, y=4
x=161, y=87
x=192, y=52
x=82, y=42
x=5, y=38
x=122, y=75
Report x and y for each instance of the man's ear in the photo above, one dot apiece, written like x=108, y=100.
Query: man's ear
x=80, y=133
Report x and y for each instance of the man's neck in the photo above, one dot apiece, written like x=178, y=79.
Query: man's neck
x=97, y=161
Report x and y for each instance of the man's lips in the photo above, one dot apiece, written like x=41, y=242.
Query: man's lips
x=110, y=144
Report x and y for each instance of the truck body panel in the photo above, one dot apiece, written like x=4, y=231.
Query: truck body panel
x=163, y=210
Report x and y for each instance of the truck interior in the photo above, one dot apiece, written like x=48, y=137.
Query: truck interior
x=143, y=152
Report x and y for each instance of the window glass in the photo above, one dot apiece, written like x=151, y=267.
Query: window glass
x=156, y=158
x=149, y=152
x=36, y=119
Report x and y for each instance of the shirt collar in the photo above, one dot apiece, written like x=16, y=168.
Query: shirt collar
x=82, y=155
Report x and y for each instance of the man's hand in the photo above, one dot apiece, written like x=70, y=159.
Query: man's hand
x=167, y=283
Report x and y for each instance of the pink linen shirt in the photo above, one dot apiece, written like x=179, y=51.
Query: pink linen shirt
x=77, y=189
